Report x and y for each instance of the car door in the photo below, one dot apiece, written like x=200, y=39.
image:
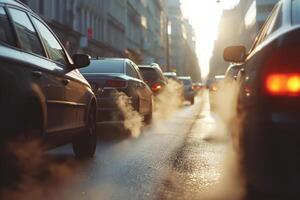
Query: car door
x=146, y=93
x=40, y=70
x=74, y=104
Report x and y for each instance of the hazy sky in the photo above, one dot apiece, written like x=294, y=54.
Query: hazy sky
x=204, y=15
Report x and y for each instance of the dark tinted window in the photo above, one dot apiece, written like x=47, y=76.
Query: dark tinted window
x=53, y=47
x=295, y=12
x=6, y=33
x=130, y=71
x=28, y=37
x=104, y=66
x=150, y=75
x=186, y=81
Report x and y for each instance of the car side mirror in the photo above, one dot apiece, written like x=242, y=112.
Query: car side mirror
x=81, y=60
x=234, y=54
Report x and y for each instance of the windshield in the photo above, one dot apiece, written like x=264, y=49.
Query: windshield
x=150, y=75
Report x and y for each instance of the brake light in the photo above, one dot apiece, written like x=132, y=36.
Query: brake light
x=115, y=84
x=214, y=88
x=280, y=84
x=156, y=87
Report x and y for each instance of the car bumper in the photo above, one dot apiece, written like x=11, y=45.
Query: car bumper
x=271, y=153
x=188, y=95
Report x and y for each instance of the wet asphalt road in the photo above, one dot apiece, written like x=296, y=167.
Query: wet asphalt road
x=172, y=159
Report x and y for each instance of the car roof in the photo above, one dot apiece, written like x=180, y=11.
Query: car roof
x=15, y=3
x=184, y=77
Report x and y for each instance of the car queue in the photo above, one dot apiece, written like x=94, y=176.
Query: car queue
x=50, y=96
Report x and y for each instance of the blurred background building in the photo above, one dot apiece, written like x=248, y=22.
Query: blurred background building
x=183, y=58
x=136, y=29
x=239, y=26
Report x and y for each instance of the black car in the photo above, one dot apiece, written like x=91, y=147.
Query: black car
x=214, y=86
x=110, y=75
x=43, y=96
x=268, y=102
x=154, y=77
x=188, y=91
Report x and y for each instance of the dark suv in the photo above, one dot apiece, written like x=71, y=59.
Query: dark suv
x=42, y=94
x=154, y=77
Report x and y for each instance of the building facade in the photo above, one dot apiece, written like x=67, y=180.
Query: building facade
x=108, y=28
x=136, y=29
x=239, y=26
x=183, y=58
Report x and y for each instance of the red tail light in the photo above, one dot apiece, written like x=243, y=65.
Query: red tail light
x=283, y=84
x=115, y=84
x=156, y=87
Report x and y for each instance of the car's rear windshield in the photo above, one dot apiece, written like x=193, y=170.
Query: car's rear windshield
x=186, y=81
x=296, y=12
x=105, y=67
x=149, y=75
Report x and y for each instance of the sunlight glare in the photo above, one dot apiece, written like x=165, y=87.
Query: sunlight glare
x=204, y=15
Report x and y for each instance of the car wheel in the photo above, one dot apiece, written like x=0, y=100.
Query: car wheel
x=148, y=118
x=85, y=145
x=24, y=147
x=193, y=100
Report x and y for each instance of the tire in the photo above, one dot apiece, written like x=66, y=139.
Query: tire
x=148, y=119
x=84, y=147
x=193, y=100
x=26, y=139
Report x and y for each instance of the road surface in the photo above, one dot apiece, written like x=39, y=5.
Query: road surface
x=181, y=157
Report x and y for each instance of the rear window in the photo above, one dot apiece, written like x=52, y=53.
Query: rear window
x=295, y=12
x=105, y=67
x=186, y=81
x=149, y=75
x=6, y=33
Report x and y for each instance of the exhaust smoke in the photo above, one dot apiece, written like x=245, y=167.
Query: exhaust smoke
x=168, y=101
x=133, y=121
x=227, y=130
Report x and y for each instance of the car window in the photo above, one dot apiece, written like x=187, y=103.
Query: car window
x=6, y=33
x=276, y=22
x=136, y=68
x=130, y=71
x=265, y=28
x=54, y=49
x=28, y=37
x=186, y=82
x=150, y=75
x=295, y=12
x=104, y=67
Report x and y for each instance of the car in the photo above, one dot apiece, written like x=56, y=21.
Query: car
x=198, y=87
x=153, y=76
x=110, y=75
x=172, y=76
x=188, y=92
x=214, y=85
x=43, y=95
x=268, y=103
